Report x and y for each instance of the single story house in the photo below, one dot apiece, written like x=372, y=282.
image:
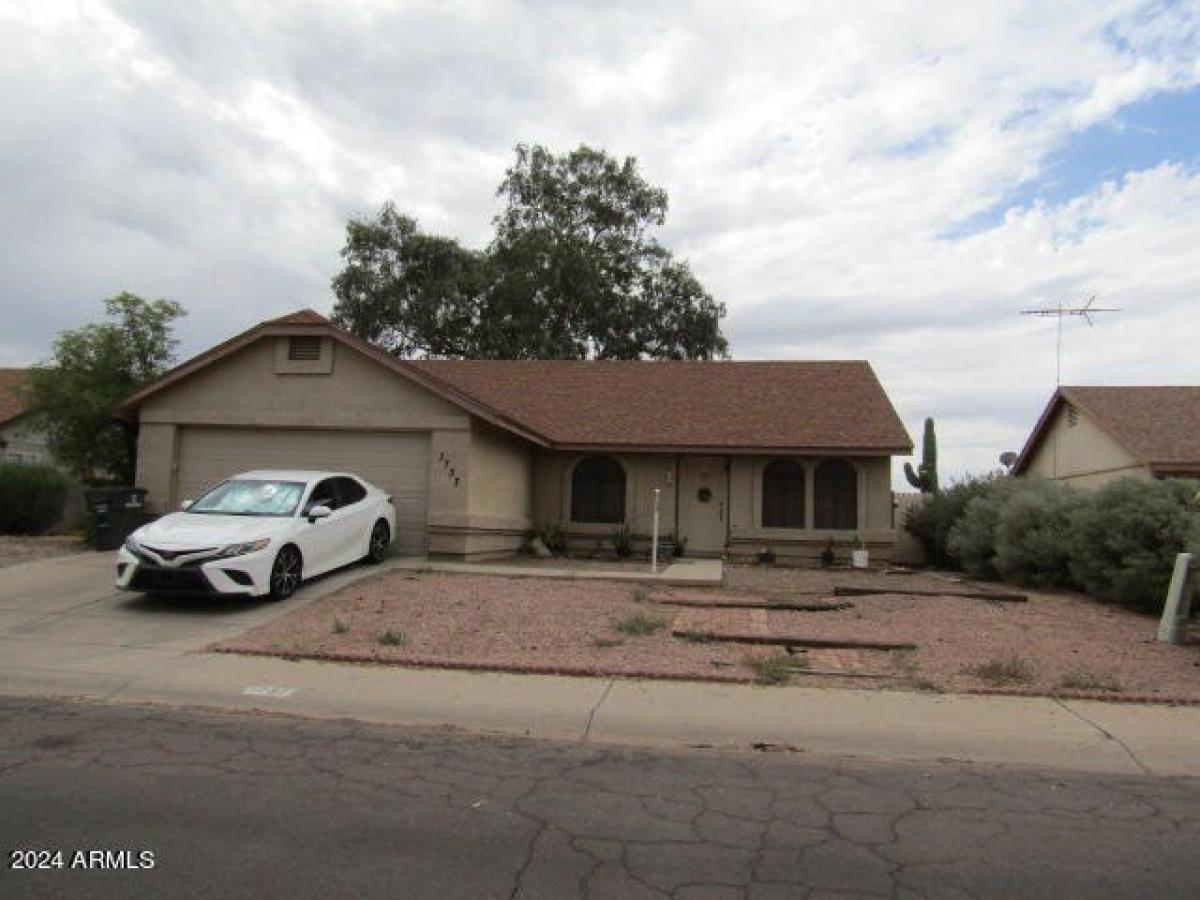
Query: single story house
x=1089, y=436
x=476, y=454
x=21, y=438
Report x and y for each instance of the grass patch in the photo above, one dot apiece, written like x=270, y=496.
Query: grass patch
x=640, y=595
x=999, y=672
x=640, y=625
x=393, y=638
x=1090, y=681
x=339, y=627
x=776, y=669
x=606, y=643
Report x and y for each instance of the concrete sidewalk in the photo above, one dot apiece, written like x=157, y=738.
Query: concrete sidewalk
x=1078, y=735
x=680, y=572
x=65, y=633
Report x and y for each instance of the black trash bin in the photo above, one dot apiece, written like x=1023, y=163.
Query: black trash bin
x=113, y=513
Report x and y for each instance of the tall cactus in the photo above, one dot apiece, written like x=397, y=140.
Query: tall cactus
x=925, y=478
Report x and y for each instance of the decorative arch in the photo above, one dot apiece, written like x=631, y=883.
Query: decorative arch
x=598, y=491
x=835, y=495
x=783, y=494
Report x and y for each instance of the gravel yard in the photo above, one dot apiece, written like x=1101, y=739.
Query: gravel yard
x=1055, y=642
x=489, y=621
x=15, y=550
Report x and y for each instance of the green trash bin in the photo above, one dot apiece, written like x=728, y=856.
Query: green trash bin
x=113, y=514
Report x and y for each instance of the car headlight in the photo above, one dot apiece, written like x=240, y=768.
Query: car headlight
x=132, y=545
x=243, y=549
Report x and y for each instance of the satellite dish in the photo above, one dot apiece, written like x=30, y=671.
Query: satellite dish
x=1007, y=458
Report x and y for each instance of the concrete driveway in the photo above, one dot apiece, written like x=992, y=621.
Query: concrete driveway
x=62, y=617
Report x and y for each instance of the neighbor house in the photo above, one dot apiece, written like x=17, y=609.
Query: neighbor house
x=21, y=437
x=475, y=454
x=1089, y=436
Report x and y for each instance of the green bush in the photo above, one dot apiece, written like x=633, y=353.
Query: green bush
x=622, y=541
x=1123, y=540
x=931, y=522
x=32, y=497
x=1032, y=534
x=971, y=543
x=550, y=533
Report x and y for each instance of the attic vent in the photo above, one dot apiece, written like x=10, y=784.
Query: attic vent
x=304, y=348
x=1072, y=416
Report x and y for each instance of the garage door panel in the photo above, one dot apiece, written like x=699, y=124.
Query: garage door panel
x=398, y=463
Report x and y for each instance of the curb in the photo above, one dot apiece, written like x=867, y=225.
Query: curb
x=559, y=671
x=1101, y=696
x=509, y=669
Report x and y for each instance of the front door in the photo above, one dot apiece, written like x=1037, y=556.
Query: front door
x=703, y=502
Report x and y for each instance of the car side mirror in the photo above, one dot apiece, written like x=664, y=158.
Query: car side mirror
x=186, y=504
x=319, y=512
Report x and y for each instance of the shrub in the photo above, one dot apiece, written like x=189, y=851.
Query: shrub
x=622, y=540
x=1084, y=680
x=551, y=534
x=1123, y=541
x=931, y=522
x=776, y=669
x=1032, y=532
x=393, y=638
x=32, y=497
x=971, y=542
x=639, y=625
x=999, y=672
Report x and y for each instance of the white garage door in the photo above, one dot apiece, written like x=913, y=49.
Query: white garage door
x=397, y=463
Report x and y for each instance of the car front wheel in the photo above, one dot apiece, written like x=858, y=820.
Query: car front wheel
x=285, y=574
x=381, y=539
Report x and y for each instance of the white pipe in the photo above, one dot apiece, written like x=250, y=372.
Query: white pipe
x=654, y=536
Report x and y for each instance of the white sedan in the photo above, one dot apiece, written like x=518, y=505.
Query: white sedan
x=260, y=533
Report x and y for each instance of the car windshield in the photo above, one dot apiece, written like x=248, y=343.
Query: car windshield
x=250, y=497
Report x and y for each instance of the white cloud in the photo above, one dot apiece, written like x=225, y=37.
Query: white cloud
x=816, y=161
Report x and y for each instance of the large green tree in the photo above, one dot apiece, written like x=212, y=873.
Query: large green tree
x=92, y=370
x=573, y=272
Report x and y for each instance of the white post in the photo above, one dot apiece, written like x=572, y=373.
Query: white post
x=654, y=536
x=1172, y=629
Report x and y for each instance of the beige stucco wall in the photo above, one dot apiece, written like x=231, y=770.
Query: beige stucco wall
x=875, y=522
x=643, y=472
x=246, y=389
x=22, y=441
x=488, y=513
x=1080, y=454
x=257, y=387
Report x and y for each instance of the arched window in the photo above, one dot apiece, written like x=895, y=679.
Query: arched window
x=835, y=495
x=598, y=491
x=783, y=494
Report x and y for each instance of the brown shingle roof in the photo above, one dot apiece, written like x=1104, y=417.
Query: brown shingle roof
x=299, y=317
x=1158, y=425
x=835, y=406
x=719, y=405
x=12, y=393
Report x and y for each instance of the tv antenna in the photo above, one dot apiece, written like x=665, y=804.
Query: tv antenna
x=1060, y=312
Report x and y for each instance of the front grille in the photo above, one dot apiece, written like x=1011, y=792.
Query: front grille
x=205, y=554
x=147, y=579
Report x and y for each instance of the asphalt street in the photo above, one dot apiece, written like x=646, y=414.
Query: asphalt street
x=261, y=806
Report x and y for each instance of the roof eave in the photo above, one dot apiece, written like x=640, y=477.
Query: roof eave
x=127, y=410
x=734, y=450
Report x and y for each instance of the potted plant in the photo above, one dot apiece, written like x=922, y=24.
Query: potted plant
x=827, y=555
x=622, y=541
x=680, y=542
x=860, y=556
x=666, y=549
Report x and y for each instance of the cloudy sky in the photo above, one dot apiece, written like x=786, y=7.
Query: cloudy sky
x=894, y=183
